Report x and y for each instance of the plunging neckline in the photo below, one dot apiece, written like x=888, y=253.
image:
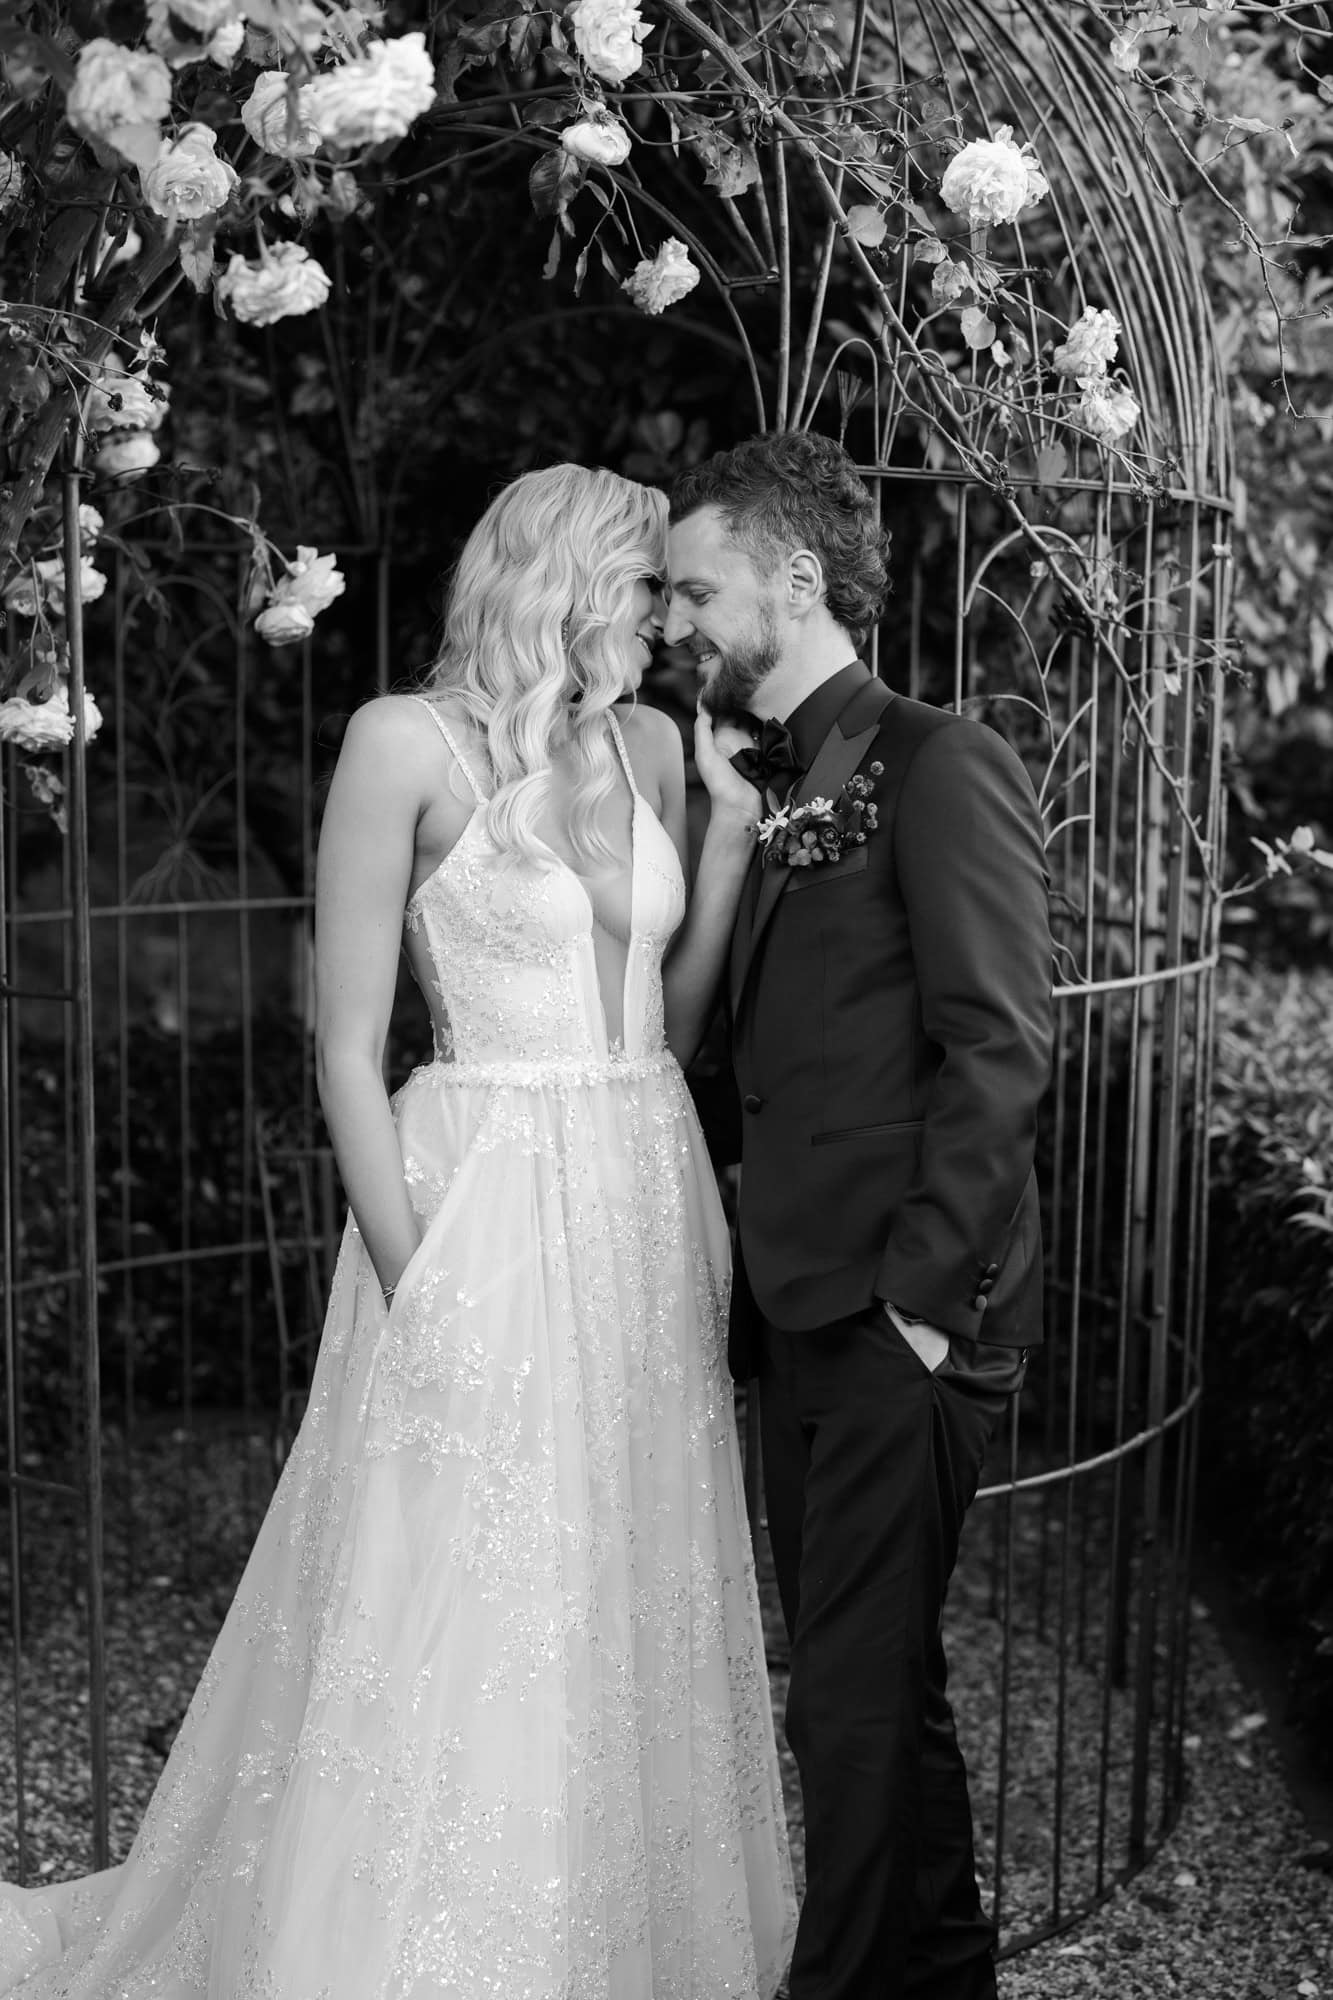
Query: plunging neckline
x=612, y=1043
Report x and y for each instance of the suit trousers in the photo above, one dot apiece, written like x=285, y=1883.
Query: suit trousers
x=870, y=1463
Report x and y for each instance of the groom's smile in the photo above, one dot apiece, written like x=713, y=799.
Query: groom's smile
x=720, y=610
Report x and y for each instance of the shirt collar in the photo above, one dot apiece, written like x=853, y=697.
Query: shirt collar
x=811, y=720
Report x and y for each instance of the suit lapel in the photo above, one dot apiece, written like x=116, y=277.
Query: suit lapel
x=835, y=761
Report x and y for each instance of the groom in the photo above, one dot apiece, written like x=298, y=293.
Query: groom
x=891, y=1010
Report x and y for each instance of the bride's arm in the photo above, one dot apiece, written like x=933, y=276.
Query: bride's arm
x=699, y=951
x=362, y=878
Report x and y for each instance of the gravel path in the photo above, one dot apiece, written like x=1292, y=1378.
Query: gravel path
x=1237, y=1904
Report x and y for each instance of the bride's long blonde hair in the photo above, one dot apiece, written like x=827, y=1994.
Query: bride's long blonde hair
x=534, y=631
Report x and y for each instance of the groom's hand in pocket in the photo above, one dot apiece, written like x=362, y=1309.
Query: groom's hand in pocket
x=929, y=1345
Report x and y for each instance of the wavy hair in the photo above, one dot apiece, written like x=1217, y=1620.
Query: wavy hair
x=790, y=490
x=541, y=591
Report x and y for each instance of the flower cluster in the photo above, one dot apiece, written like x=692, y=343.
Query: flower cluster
x=663, y=280
x=1105, y=407
x=124, y=410
x=821, y=830
x=120, y=99
x=993, y=180
x=296, y=600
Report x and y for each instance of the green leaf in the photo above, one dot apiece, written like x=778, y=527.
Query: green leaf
x=526, y=35
x=554, y=180
x=866, y=225
x=196, y=252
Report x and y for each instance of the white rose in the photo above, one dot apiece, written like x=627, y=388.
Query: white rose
x=187, y=179
x=949, y=281
x=124, y=402
x=993, y=180
x=117, y=93
x=43, y=583
x=267, y=117
x=600, y=139
x=284, y=624
x=312, y=582
x=11, y=181
x=1107, y=410
x=225, y=44
x=607, y=34
x=92, y=583
x=90, y=525
x=660, y=281
x=46, y=725
x=1302, y=840
x=374, y=98
x=205, y=16
x=285, y=281
x=125, y=454
x=1092, y=345
x=187, y=32
x=1125, y=50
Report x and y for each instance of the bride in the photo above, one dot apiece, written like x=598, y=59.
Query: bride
x=489, y=1715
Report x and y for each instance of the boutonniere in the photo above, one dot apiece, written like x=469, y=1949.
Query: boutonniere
x=820, y=831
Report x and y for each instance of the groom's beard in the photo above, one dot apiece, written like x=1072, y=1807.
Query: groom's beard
x=742, y=671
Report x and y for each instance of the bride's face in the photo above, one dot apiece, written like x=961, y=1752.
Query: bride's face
x=641, y=629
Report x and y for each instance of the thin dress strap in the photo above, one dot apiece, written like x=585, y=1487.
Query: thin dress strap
x=448, y=735
x=618, y=739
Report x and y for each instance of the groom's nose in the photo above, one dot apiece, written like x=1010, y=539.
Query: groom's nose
x=677, y=626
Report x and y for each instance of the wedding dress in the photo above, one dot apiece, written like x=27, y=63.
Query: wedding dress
x=488, y=1715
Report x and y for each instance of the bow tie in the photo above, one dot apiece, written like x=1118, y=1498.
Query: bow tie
x=771, y=761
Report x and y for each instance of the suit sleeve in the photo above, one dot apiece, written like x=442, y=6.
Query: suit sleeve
x=968, y=855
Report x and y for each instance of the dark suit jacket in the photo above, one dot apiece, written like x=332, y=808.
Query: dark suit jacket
x=892, y=1028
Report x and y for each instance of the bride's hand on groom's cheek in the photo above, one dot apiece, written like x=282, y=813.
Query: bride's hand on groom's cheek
x=715, y=743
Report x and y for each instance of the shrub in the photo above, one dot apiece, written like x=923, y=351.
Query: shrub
x=1267, y=1461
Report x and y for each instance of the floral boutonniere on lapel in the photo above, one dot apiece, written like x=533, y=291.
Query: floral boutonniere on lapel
x=820, y=831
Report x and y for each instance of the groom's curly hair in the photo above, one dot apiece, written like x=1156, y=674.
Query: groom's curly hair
x=790, y=490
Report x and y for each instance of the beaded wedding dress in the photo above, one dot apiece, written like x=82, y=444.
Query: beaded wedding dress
x=488, y=1715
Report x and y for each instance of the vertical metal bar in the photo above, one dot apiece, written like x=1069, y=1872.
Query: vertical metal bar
x=1006, y=1666
x=246, y=1164
x=184, y=1129
x=123, y=1095
x=86, y=1180
x=10, y=1167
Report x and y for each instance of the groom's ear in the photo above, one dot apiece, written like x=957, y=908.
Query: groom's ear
x=805, y=582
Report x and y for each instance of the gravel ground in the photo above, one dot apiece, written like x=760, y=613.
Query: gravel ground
x=1236, y=1904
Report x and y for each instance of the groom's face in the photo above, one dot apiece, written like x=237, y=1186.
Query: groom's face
x=722, y=610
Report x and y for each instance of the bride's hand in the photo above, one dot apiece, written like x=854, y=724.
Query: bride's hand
x=715, y=743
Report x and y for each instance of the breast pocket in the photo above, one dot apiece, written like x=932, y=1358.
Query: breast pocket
x=826, y=874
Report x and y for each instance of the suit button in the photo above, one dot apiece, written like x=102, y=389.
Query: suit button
x=980, y=1302
x=752, y=1103
x=992, y=1270
x=985, y=1284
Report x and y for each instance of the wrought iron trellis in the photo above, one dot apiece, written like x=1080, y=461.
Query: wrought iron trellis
x=1111, y=692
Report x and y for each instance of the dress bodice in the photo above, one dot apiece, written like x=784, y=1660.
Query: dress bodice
x=511, y=950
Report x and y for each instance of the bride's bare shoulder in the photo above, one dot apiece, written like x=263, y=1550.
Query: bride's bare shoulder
x=405, y=724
